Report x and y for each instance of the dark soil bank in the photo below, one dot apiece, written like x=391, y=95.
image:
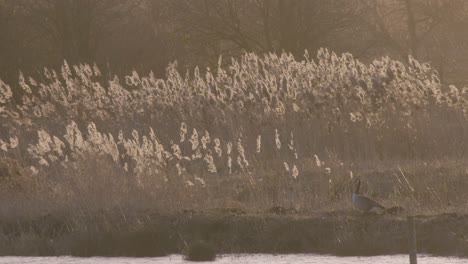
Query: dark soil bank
x=232, y=231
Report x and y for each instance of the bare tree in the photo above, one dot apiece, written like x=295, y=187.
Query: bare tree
x=406, y=25
x=265, y=25
x=73, y=26
x=425, y=29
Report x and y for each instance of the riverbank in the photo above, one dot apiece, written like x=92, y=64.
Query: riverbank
x=344, y=233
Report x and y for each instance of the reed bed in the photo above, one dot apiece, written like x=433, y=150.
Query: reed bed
x=256, y=132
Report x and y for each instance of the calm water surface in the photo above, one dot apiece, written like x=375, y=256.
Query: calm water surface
x=241, y=259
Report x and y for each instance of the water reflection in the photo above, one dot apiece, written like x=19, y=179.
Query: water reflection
x=241, y=259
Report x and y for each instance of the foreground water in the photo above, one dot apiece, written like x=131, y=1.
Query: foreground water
x=241, y=259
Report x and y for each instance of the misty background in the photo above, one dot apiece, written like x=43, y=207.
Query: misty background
x=121, y=35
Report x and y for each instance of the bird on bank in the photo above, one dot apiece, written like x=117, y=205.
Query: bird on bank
x=365, y=203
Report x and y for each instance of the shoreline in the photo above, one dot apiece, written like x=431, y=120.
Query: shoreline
x=234, y=232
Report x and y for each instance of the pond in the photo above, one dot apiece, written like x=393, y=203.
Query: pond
x=241, y=259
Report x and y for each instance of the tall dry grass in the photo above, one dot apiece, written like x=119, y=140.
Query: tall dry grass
x=256, y=132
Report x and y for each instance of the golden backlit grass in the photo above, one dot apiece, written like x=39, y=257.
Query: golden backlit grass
x=257, y=132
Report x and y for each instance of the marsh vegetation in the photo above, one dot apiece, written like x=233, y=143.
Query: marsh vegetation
x=89, y=154
x=261, y=134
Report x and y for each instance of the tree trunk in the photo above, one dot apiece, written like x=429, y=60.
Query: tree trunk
x=286, y=20
x=64, y=25
x=267, y=24
x=73, y=23
x=411, y=24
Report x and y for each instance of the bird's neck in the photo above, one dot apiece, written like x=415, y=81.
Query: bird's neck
x=356, y=191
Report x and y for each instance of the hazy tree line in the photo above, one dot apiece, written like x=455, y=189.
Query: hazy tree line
x=148, y=34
